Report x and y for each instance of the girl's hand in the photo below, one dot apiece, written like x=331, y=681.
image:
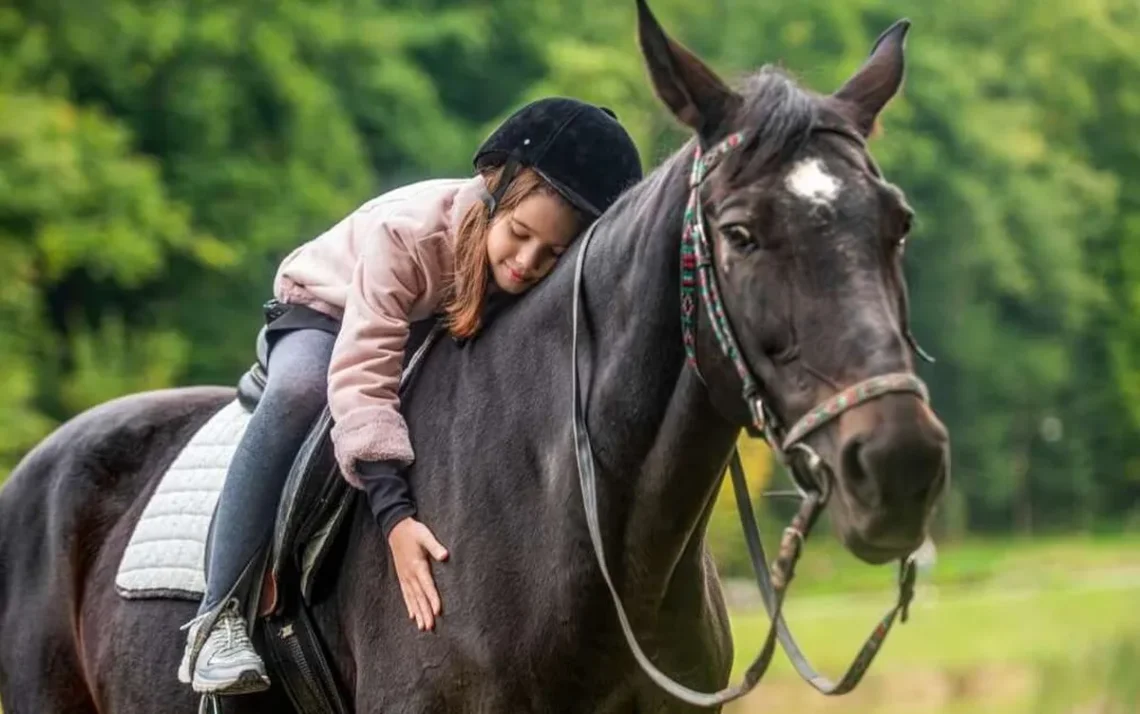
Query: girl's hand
x=411, y=543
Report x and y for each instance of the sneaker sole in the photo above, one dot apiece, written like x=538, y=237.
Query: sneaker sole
x=248, y=682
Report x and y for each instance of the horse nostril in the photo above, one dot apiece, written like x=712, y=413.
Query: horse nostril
x=910, y=460
x=853, y=469
x=851, y=456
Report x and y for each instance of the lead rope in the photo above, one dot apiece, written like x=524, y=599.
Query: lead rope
x=772, y=585
x=588, y=483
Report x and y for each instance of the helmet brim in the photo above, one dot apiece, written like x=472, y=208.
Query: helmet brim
x=569, y=194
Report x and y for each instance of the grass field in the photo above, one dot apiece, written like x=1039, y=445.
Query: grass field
x=1048, y=627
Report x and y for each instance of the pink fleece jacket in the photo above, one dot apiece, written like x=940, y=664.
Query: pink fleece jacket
x=381, y=268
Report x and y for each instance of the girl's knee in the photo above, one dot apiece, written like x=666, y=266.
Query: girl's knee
x=298, y=369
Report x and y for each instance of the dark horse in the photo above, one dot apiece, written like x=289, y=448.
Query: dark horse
x=808, y=240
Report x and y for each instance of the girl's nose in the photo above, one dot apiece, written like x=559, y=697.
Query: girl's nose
x=530, y=258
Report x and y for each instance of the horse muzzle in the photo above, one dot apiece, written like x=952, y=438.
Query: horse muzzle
x=894, y=456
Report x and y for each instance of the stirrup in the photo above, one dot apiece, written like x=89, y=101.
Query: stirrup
x=208, y=704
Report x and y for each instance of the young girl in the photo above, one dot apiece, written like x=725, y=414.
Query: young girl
x=345, y=300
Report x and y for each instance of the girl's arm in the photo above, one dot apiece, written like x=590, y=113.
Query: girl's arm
x=364, y=372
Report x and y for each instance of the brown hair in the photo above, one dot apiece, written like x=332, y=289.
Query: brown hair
x=469, y=282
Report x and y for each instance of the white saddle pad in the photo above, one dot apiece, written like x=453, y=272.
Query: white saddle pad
x=166, y=553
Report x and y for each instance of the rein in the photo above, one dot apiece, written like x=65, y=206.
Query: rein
x=699, y=284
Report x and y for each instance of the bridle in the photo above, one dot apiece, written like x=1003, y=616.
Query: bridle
x=699, y=284
x=810, y=473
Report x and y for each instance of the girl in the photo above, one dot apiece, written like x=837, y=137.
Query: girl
x=340, y=323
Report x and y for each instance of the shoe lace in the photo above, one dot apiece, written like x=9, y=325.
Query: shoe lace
x=233, y=629
x=229, y=627
x=193, y=622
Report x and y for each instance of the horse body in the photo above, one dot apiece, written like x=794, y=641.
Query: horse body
x=69, y=643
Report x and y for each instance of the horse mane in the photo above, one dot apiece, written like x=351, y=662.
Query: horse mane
x=779, y=116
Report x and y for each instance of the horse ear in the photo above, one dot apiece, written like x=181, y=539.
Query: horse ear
x=691, y=90
x=876, y=82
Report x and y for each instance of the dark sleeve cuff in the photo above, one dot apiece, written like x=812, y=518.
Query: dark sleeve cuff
x=389, y=496
x=390, y=517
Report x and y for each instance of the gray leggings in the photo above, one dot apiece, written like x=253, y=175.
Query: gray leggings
x=247, y=508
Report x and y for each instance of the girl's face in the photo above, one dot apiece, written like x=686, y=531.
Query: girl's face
x=524, y=244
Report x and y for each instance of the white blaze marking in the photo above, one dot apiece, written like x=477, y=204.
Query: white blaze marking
x=809, y=180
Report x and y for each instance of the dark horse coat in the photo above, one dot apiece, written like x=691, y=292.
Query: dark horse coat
x=527, y=625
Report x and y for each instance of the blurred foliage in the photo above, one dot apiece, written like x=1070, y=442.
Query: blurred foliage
x=158, y=159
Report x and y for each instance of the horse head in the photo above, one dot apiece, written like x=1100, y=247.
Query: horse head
x=805, y=243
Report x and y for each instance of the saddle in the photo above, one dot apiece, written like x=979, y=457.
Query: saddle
x=313, y=508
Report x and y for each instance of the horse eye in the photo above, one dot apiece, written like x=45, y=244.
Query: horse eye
x=738, y=235
x=907, y=224
x=904, y=231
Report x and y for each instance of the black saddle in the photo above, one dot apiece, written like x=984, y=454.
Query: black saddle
x=313, y=507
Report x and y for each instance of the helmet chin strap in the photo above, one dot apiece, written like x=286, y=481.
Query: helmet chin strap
x=510, y=171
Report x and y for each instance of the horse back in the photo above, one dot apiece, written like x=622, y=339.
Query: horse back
x=64, y=509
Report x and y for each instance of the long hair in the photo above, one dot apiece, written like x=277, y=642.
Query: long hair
x=466, y=294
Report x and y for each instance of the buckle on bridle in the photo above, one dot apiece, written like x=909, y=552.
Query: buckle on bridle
x=759, y=417
x=816, y=479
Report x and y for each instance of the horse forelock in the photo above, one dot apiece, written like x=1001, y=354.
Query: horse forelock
x=778, y=117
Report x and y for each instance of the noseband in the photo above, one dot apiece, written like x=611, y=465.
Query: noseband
x=810, y=473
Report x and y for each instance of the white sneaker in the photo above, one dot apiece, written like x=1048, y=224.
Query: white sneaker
x=227, y=662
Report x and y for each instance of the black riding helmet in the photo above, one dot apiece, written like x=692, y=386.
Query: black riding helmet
x=580, y=149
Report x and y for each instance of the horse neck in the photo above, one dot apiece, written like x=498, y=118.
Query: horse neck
x=660, y=443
